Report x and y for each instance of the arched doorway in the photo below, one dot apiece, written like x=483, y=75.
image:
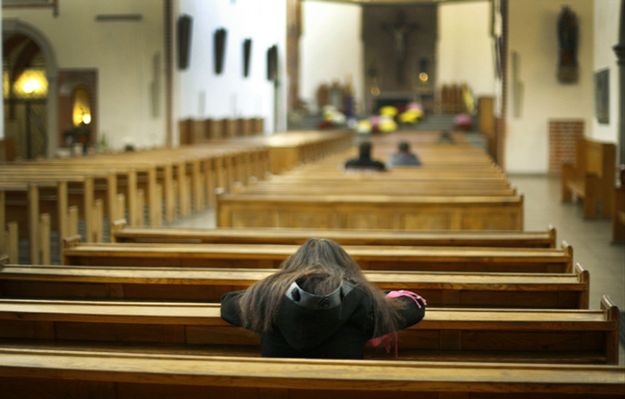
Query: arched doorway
x=29, y=90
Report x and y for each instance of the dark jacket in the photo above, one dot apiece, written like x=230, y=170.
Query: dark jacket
x=360, y=163
x=320, y=327
x=404, y=159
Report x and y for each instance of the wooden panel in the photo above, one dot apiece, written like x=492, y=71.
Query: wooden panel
x=135, y=376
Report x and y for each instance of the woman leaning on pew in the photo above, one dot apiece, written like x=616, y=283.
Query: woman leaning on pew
x=320, y=305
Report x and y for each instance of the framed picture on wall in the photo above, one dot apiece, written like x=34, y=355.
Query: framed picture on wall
x=247, y=55
x=602, y=96
x=272, y=63
x=219, y=47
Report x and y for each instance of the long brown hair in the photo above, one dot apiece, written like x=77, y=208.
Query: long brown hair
x=318, y=266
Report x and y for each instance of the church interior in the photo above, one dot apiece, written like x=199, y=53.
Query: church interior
x=156, y=155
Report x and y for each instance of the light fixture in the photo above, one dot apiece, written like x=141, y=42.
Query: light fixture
x=32, y=83
x=81, y=110
x=424, y=77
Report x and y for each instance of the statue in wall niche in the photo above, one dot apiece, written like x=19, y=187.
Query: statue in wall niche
x=568, y=33
x=400, y=31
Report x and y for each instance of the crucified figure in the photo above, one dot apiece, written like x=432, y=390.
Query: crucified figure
x=400, y=31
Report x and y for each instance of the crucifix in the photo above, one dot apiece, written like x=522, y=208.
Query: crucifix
x=400, y=31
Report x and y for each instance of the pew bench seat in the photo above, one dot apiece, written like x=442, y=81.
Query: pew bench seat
x=449, y=289
x=584, y=336
x=526, y=239
x=591, y=178
x=479, y=259
x=44, y=373
x=406, y=212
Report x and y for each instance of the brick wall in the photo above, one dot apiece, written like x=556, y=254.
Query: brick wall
x=563, y=134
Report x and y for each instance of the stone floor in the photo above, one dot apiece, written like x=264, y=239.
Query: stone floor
x=590, y=238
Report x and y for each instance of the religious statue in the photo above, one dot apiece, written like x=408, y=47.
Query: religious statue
x=400, y=32
x=567, y=41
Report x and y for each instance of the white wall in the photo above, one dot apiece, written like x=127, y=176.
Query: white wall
x=202, y=94
x=532, y=34
x=121, y=51
x=465, y=47
x=331, y=49
x=606, y=36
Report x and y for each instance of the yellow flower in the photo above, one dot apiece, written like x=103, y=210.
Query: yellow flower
x=388, y=110
x=363, y=126
x=410, y=116
x=387, y=125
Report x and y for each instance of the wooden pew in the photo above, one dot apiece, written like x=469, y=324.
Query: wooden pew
x=319, y=195
x=56, y=192
x=592, y=177
x=556, y=336
x=287, y=150
x=488, y=290
x=538, y=260
x=35, y=209
x=198, y=131
x=371, y=212
x=47, y=373
x=440, y=188
x=524, y=239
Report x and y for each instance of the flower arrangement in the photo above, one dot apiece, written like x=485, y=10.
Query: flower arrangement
x=387, y=120
x=332, y=118
x=412, y=114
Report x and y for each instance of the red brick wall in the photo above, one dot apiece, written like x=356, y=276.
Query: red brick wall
x=563, y=134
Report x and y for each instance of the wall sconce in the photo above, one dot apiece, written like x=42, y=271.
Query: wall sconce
x=424, y=66
x=31, y=84
x=81, y=108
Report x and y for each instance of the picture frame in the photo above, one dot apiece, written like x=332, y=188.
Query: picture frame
x=602, y=96
x=247, y=54
x=219, y=50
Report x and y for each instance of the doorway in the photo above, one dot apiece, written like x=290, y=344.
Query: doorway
x=29, y=90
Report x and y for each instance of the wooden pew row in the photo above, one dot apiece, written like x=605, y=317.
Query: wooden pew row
x=9, y=236
x=431, y=155
x=185, y=167
x=294, y=177
x=432, y=137
x=556, y=336
x=371, y=212
x=517, y=260
x=197, y=131
x=333, y=166
x=50, y=373
x=294, y=202
x=105, y=180
x=56, y=194
x=465, y=188
x=426, y=178
x=488, y=290
x=592, y=177
x=94, y=185
x=508, y=239
x=290, y=149
x=36, y=209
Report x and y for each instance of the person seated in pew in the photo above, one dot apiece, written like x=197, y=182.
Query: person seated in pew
x=319, y=304
x=364, y=160
x=403, y=156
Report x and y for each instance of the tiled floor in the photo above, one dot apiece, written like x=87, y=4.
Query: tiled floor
x=590, y=238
